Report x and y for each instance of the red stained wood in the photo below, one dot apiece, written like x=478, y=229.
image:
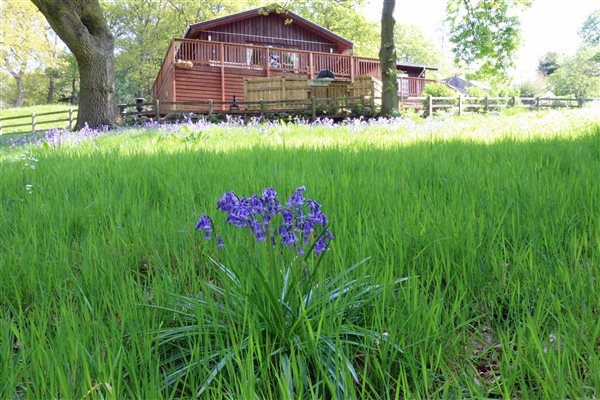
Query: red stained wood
x=222, y=52
x=286, y=30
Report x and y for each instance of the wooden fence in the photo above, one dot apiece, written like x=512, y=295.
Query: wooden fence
x=283, y=88
x=339, y=107
x=36, y=124
x=462, y=104
x=310, y=108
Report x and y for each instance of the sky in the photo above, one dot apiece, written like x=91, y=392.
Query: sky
x=548, y=25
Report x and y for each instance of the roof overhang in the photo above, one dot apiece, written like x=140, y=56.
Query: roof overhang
x=410, y=65
x=341, y=42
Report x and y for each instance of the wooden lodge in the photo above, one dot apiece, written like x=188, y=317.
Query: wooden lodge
x=214, y=58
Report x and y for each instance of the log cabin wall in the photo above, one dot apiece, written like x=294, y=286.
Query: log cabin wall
x=203, y=83
x=269, y=30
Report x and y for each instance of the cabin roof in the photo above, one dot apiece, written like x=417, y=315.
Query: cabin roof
x=261, y=11
x=411, y=65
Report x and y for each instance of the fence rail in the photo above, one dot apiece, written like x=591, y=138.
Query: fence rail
x=312, y=108
x=464, y=104
x=34, y=123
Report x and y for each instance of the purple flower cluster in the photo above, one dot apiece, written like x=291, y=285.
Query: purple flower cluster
x=197, y=123
x=293, y=225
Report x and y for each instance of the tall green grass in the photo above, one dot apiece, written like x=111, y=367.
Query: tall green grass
x=500, y=239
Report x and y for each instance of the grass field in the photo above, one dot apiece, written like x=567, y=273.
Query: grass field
x=40, y=120
x=495, y=221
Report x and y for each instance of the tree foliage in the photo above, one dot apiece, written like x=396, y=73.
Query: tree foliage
x=143, y=30
x=485, y=34
x=549, y=63
x=342, y=17
x=590, y=30
x=579, y=75
x=412, y=46
x=25, y=44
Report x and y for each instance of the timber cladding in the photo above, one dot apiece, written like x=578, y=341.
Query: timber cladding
x=216, y=83
x=204, y=83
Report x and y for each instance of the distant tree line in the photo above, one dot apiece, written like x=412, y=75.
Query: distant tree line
x=114, y=49
x=571, y=75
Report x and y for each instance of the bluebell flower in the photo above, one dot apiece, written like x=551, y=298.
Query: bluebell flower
x=269, y=195
x=297, y=199
x=322, y=243
x=256, y=205
x=228, y=202
x=205, y=224
x=219, y=241
x=301, y=218
x=313, y=207
x=288, y=217
x=288, y=237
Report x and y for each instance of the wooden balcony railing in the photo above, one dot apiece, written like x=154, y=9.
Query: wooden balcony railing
x=274, y=60
x=412, y=87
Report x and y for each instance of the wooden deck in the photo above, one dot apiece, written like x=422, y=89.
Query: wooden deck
x=202, y=70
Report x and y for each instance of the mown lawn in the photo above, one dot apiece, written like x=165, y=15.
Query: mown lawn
x=495, y=220
x=41, y=120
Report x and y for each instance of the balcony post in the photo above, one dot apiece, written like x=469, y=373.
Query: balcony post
x=311, y=67
x=222, y=76
x=268, y=59
x=352, y=69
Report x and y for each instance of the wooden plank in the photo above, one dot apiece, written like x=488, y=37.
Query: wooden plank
x=222, y=49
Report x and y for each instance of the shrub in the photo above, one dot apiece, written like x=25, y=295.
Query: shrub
x=474, y=91
x=438, y=90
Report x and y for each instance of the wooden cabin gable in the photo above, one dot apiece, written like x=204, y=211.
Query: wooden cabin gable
x=269, y=30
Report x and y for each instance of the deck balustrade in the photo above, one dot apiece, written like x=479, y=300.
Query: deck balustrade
x=273, y=60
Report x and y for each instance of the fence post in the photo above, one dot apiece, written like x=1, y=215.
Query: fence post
x=580, y=102
x=122, y=109
x=0, y=127
x=513, y=101
x=157, y=109
x=460, y=104
x=262, y=108
x=313, y=104
x=537, y=103
x=430, y=106
x=486, y=104
x=210, y=105
x=70, y=118
x=33, y=122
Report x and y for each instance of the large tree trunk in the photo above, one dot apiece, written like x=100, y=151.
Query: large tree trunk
x=81, y=25
x=20, y=97
x=387, y=57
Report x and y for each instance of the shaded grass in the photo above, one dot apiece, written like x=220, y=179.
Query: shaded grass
x=502, y=242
